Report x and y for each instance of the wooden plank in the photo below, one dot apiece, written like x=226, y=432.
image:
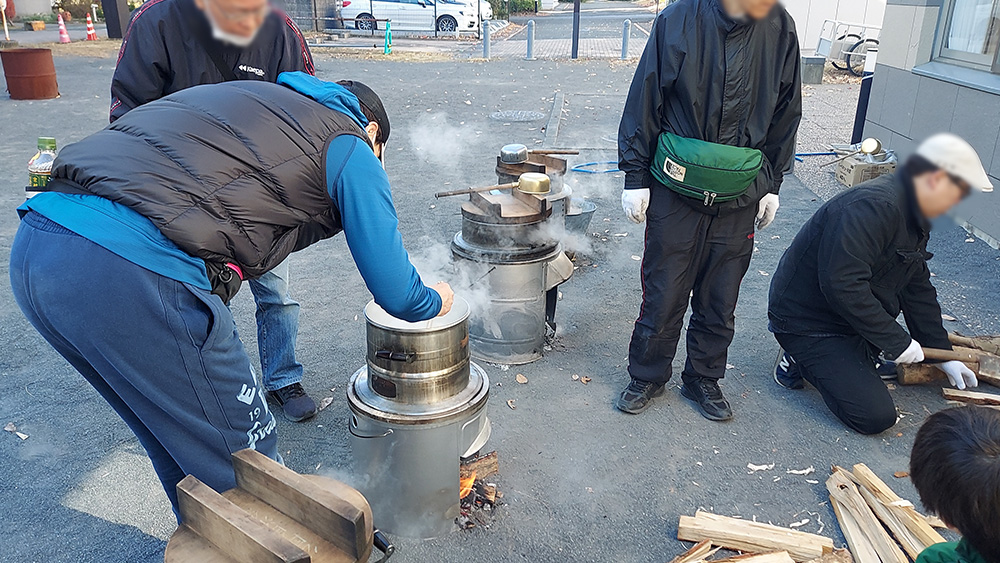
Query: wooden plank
x=771, y=557
x=921, y=374
x=744, y=535
x=334, y=511
x=700, y=551
x=971, y=397
x=861, y=548
x=842, y=487
x=903, y=510
x=230, y=529
x=842, y=555
x=484, y=466
x=911, y=544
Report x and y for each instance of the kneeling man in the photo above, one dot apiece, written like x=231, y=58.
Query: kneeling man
x=858, y=262
x=125, y=264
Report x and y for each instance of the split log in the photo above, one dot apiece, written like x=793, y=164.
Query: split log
x=842, y=555
x=988, y=344
x=744, y=535
x=922, y=374
x=842, y=488
x=484, y=466
x=772, y=557
x=911, y=544
x=903, y=510
x=699, y=552
x=863, y=550
x=971, y=397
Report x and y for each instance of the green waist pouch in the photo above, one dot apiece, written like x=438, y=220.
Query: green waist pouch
x=703, y=170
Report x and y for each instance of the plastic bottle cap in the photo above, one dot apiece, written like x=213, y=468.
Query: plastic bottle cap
x=47, y=143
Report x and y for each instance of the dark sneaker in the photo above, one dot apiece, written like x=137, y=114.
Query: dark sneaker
x=638, y=396
x=786, y=372
x=294, y=401
x=886, y=370
x=706, y=394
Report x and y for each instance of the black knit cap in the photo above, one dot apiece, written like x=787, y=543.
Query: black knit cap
x=370, y=100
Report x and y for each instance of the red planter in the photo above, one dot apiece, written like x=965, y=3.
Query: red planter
x=30, y=74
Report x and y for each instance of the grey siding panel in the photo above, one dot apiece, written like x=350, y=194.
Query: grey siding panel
x=976, y=119
x=982, y=211
x=879, y=83
x=900, y=99
x=875, y=130
x=934, y=108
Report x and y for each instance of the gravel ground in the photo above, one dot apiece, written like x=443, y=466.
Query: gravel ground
x=583, y=482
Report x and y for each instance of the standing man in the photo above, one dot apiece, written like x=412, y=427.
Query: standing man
x=858, y=262
x=707, y=133
x=124, y=266
x=171, y=45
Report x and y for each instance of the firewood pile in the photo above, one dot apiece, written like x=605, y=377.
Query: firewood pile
x=479, y=497
x=879, y=525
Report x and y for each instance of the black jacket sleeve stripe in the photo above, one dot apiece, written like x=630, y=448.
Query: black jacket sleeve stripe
x=307, y=61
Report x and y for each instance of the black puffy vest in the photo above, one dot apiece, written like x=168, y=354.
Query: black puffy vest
x=231, y=172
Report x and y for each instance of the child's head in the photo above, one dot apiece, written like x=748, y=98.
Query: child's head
x=955, y=466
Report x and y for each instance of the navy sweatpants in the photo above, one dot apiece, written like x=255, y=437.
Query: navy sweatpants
x=690, y=257
x=165, y=355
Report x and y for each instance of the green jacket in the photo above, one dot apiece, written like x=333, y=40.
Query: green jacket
x=950, y=552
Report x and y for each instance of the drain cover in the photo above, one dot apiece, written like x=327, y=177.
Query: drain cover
x=518, y=116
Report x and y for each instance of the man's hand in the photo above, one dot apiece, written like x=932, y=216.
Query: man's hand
x=913, y=354
x=635, y=203
x=766, y=210
x=447, y=297
x=959, y=374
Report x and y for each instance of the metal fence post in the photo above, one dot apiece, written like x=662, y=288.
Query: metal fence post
x=486, y=39
x=626, y=34
x=531, y=41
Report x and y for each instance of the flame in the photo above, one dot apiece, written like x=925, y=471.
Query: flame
x=465, y=485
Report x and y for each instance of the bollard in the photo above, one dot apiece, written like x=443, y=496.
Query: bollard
x=626, y=34
x=531, y=41
x=387, y=49
x=486, y=39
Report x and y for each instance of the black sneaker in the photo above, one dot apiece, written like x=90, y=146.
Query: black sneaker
x=786, y=372
x=706, y=394
x=638, y=396
x=294, y=401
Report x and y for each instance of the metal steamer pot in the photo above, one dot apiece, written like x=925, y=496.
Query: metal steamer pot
x=417, y=407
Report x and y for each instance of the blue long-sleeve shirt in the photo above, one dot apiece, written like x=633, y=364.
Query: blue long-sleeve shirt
x=356, y=182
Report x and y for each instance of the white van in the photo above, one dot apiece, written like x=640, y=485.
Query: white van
x=411, y=15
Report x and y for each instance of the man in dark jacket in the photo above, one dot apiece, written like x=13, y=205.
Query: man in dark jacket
x=858, y=262
x=726, y=72
x=122, y=265
x=176, y=44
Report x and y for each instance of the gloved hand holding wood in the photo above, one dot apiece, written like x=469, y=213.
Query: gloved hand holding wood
x=958, y=374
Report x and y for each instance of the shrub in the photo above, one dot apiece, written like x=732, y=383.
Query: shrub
x=504, y=8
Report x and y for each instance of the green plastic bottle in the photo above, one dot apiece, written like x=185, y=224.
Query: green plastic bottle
x=40, y=165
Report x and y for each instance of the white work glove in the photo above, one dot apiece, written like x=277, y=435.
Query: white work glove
x=913, y=354
x=635, y=203
x=766, y=209
x=959, y=374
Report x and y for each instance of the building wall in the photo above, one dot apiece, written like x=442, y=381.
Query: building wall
x=31, y=7
x=809, y=16
x=907, y=106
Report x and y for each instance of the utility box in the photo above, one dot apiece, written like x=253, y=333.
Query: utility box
x=853, y=170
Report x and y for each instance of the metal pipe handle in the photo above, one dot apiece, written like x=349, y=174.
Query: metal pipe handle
x=382, y=544
x=353, y=429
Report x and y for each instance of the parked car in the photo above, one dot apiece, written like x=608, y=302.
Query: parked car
x=411, y=15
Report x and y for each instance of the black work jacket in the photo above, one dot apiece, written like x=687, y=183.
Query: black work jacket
x=165, y=50
x=858, y=262
x=704, y=75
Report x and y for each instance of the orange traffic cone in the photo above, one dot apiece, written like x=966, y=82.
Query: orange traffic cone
x=91, y=32
x=63, y=35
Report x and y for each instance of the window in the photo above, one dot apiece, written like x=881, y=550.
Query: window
x=972, y=33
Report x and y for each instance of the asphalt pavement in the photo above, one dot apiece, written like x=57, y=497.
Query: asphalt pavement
x=582, y=482
x=598, y=19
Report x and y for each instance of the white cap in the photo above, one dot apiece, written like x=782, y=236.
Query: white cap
x=954, y=155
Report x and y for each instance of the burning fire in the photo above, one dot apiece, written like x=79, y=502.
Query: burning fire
x=465, y=484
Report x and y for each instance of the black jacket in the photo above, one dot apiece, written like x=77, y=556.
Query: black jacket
x=165, y=51
x=220, y=186
x=706, y=76
x=854, y=265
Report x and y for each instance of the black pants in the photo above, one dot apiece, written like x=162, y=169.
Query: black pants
x=842, y=368
x=691, y=257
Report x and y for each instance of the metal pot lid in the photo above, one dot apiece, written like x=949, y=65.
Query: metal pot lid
x=534, y=183
x=515, y=153
x=377, y=316
x=361, y=398
x=475, y=253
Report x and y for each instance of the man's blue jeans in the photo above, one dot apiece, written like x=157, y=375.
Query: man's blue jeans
x=277, y=328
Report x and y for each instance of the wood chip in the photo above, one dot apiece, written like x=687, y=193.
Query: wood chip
x=510, y=403
x=585, y=380
x=901, y=474
x=325, y=402
x=9, y=427
x=575, y=377
x=21, y=435
x=805, y=471
x=520, y=378
x=755, y=468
